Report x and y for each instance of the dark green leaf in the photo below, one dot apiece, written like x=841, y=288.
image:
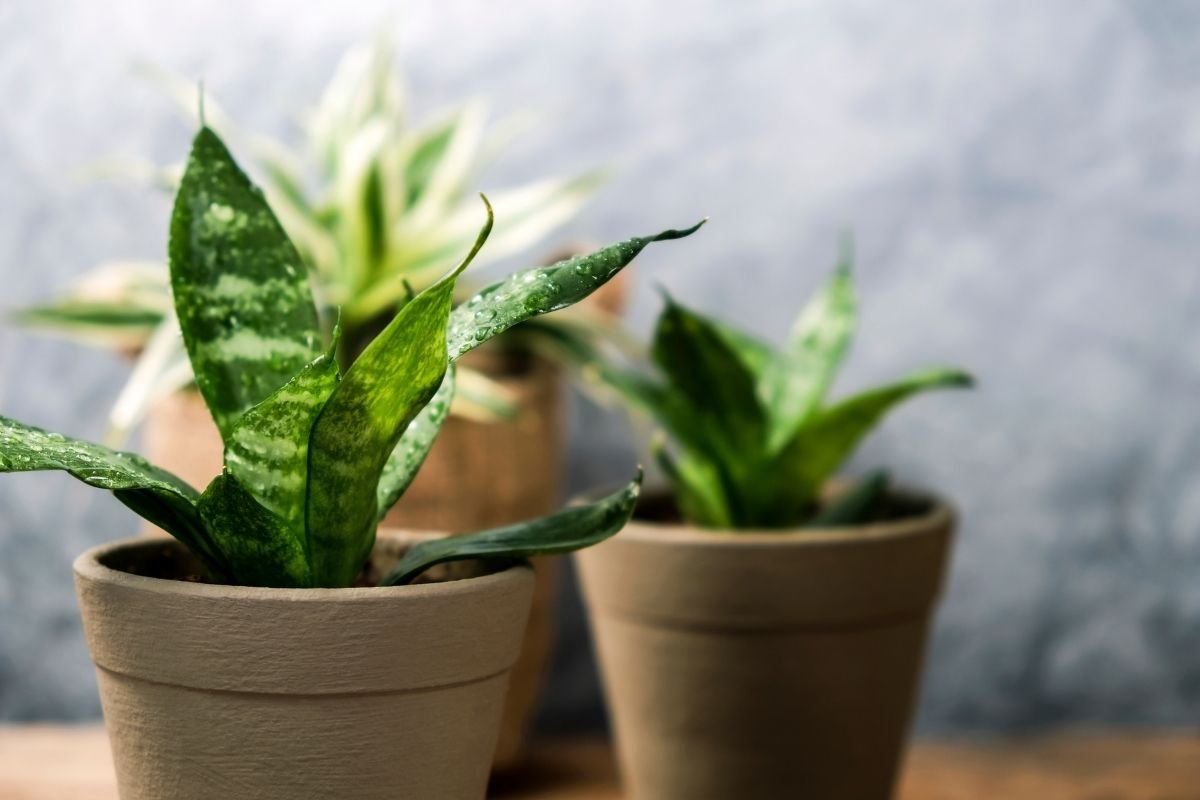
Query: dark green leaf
x=259, y=547
x=156, y=494
x=241, y=289
x=796, y=379
x=361, y=425
x=572, y=529
x=538, y=291
x=706, y=373
x=856, y=505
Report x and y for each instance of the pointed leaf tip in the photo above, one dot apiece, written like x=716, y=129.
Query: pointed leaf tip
x=678, y=233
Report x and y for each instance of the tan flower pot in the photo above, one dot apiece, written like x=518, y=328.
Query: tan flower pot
x=764, y=664
x=222, y=691
x=478, y=475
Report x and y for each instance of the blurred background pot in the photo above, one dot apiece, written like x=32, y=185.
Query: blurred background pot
x=224, y=691
x=764, y=664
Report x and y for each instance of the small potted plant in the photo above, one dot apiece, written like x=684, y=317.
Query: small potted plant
x=277, y=650
x=390, y=200
x=760, y=630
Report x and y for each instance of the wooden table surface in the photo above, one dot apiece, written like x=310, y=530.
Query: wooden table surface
x=66, y=763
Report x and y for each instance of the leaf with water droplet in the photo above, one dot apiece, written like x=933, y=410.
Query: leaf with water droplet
x=533, y=292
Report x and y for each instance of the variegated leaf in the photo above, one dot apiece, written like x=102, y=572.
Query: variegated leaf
x=241, y=289
x=268, y=448
x=259, y=546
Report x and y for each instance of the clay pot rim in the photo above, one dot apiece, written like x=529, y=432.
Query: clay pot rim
x=941, y=514
x=88, y=565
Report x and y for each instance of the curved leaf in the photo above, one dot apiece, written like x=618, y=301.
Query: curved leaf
x=161, y=497
x=856, y=505
x=241, y=289
x=408, y=456
x=533, y=292
x=361, y=424
x=830, y=436
x=795, y=380
x=572, y=529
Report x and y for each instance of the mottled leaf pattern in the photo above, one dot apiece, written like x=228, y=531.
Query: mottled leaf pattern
x=241, y=289
x=408, y=456
x=268, y=448
x=533, y=292
x=259, y=546
x=795, y=380
x=569, y=530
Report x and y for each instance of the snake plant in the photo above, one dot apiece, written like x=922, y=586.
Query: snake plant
x=314, y=455
x=748, y=439
x=374, y=204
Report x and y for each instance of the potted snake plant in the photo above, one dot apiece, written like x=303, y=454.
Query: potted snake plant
x=760, y=630
x=391, y=203
x=279, y=647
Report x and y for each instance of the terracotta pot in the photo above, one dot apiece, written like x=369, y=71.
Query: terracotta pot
x=222, y=691
x=478, y=475
x=764, y=664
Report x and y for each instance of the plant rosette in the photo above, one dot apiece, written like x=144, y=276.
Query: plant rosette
x=277, y=648
x=760, y=630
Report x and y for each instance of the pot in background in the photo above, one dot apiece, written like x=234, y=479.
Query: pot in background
x=765, y=664
x=226, y=691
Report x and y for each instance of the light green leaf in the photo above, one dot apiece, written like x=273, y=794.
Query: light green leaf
x=539, y=291
x=241, y=289
x=794, y=382
x=260, y=548
x=572, y=529
x=829, y=437
x=408, y=456
x=360, y=426
x=698, y=487
x=163, y=498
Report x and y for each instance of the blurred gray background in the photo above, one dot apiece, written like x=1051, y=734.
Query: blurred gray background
x=1023, y=179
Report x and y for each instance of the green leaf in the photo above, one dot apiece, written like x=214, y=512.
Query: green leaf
x=259, y=547
x=830, y=436
x=542, y=290
x=408, y=456
x=698, y=487
x=572, y=529
x=705, y=372
x=89, y=315
x=163, y=498
x=856, y=505
x=241, y=289
x=359, y=428
x=795, y=380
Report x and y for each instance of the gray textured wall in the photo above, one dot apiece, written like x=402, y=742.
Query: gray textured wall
x=1023, y=180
